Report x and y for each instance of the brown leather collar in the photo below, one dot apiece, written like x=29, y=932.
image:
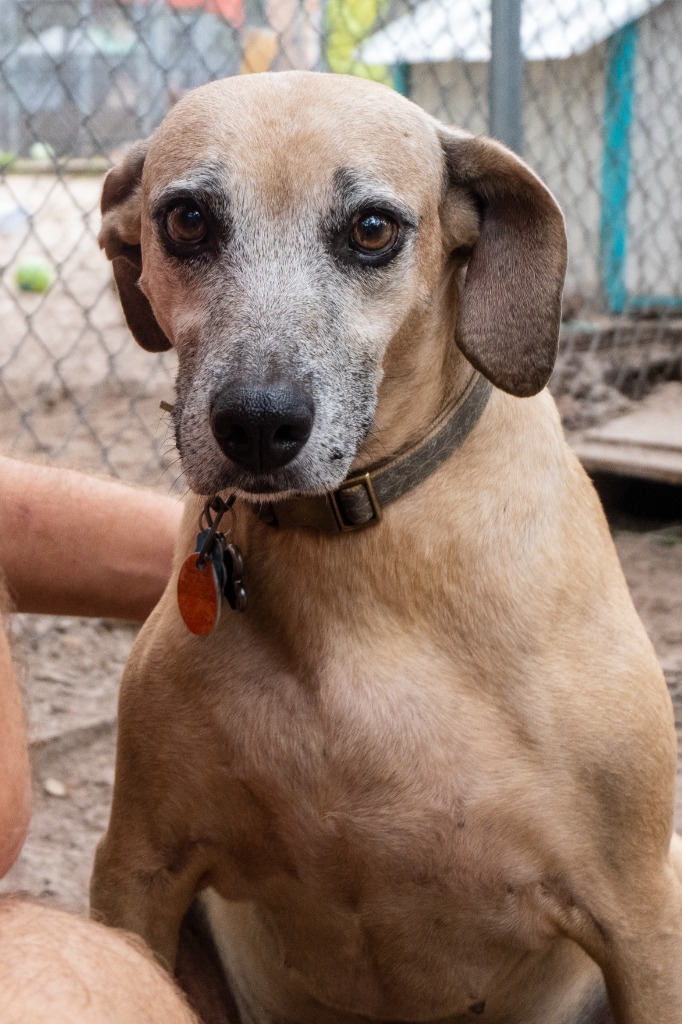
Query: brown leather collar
x=359, y=501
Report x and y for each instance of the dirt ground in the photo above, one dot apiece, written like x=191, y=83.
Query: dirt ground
x=75, y=390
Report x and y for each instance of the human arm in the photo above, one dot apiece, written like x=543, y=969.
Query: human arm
x=72, y=544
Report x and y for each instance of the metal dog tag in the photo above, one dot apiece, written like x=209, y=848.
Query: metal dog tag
x=213, y=571
x=200, y=591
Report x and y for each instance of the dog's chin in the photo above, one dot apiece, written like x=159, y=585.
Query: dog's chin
x=271, y=487
x=272, y=490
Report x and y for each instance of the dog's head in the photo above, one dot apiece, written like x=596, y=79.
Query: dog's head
x=286, y=233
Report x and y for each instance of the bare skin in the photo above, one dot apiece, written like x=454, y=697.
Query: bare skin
x=59, y=969
x=15, y=777
x=108, y=548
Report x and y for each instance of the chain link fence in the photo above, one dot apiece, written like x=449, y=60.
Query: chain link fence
x=589, y=91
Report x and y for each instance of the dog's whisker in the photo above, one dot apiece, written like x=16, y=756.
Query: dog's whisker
x=374, y=436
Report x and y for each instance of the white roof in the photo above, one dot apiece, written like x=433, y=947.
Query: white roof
x=444, y=30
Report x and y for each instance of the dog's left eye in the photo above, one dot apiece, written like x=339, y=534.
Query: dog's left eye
x=373, y=233
x=186, y=224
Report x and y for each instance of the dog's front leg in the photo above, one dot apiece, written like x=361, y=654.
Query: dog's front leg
x=636, y=939
x=642, y=964
x=146, y=871
x=135, y=888
x=156, y=853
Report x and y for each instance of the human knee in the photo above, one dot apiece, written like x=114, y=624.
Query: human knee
x=61, y=969
x=15, y=810
x=14, y=820
x=15, y=775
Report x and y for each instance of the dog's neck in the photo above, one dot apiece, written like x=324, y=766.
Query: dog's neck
x=423, y=371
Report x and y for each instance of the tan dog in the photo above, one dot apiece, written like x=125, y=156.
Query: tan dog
x=429, y=775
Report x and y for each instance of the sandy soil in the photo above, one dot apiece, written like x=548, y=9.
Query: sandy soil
x=74, y=389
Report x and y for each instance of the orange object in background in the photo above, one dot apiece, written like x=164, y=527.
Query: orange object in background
x=230, y=10
x=260, y=49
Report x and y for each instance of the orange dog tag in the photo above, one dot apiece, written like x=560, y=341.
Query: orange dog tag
x=199, y=596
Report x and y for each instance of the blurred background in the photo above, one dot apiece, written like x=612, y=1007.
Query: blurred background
x=589, y=92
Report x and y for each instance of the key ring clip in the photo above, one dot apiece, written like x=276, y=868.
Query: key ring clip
x=220, y=507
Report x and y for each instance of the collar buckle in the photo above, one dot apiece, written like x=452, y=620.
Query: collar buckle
x=343, y=524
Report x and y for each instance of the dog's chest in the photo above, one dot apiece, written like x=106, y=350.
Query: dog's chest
x=391, y=862
x=373, y=816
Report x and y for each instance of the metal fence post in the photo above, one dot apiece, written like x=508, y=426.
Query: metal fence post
x=505, y=81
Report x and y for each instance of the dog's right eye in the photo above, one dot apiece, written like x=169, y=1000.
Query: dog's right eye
x=373, y=233
x=186, y=224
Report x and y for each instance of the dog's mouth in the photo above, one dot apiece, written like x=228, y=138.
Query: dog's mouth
x=278, y=485
x=306, y=474
x=265, y=491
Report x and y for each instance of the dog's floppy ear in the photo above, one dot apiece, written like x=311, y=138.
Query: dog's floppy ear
x=120, y=238
x=511, y=301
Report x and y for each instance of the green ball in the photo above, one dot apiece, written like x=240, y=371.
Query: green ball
x=34, y=276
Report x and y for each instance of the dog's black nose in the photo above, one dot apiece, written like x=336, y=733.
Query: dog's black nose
x=262, y=429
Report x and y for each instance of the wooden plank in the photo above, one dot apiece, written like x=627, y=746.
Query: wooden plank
x=630, y=461
x=645, y=443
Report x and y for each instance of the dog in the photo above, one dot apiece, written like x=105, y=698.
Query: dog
x=429, y=774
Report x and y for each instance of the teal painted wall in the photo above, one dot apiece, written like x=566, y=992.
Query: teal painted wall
x=616, y=179
x=621, y=51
